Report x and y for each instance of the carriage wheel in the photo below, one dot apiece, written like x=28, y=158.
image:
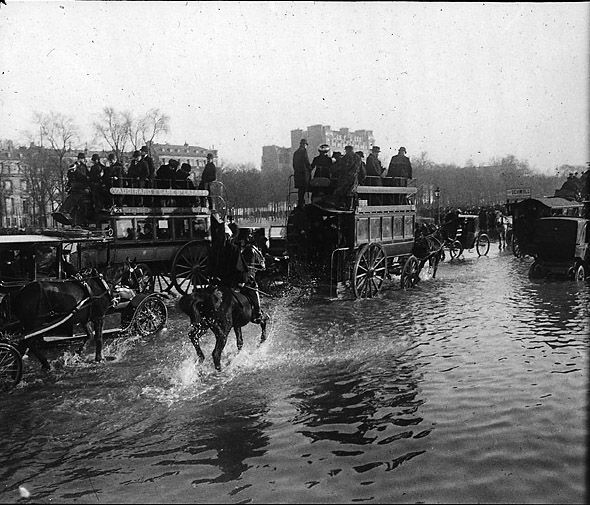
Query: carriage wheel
x=455, y=249
x=536, y=271
x=150, y=316
x=370, y=269
x=189, y=267
x=162, y=283
x=482, y=244
x=410, y=273
x=145, y=278
x=580, y=273
x=11, y=367
x=517, y=249
x=433, y=262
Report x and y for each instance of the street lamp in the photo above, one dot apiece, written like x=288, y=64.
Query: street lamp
x=437, y=196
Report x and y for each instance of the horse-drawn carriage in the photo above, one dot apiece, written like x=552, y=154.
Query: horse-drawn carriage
x=45, y=291
x=463, y=232
x=359, y=249
x=561, y=248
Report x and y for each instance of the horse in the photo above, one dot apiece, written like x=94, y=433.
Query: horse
x=428, y=246
x=218, y=308
x=38, y=305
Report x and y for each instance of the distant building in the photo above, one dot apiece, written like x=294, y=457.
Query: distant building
x=316, y=135
x=15, y=206
x=195, y=156
x=276, y=158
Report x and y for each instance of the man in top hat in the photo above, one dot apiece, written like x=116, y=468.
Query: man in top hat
x=374, y=174
x=97, y=183
x=113, y=177
x=149, y=161
x=363, y=170
x=137, y=174
x=207, y=177
x=302, y=171
x=73, y=209
x=400, y=168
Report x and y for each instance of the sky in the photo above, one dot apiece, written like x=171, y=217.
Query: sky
x=459, y=81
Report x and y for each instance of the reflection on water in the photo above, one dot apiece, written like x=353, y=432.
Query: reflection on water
x=470, y=387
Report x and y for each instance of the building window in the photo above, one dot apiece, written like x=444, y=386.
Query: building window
x=8, y=185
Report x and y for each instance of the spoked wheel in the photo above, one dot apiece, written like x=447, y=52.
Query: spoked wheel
x=580, y=273
x=455, y=249
x=433, y=262
x=482, y=244
x=11, y=367
x=162, y=282
x=536, y=271
x=517, y=249
x=150, y=316
x=369, y=271
x=189, y=267
x=410, y=273
x=145, y=278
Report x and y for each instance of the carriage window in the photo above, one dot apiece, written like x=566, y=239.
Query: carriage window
x=162, y=229
x=124, y=229
x=387, y=230
x=16, y=264
x=375, y=228
x=46, y=261
x=145, y=229
x=408, y=226
x=200, y=228
x=398, y=226
x=182, y=228
x=362, y=230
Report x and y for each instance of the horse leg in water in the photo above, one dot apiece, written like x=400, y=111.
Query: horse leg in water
x=32, y=345
x=264, y=318
x=194, y=335
x=98, y=327
x=220, y=340
x=239, y=336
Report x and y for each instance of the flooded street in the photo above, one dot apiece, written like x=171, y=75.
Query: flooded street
x=470, y=387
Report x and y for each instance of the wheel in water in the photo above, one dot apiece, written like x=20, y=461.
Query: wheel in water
x=150, y=316
x=410, y=273
x=580, y=273
x=11, y=367
x=369, y=271
x=189, y=267
x=482, y=244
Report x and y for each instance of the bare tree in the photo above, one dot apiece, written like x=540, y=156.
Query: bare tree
x=146, y=128
x=60, y=131
x=114, y=127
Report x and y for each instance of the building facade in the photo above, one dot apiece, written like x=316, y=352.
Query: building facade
x=276, y=158
x=195, y=156
x=15, y=209
x=316, y=135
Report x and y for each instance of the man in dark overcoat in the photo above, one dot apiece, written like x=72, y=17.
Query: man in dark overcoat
x=207, y=177
x=302, y=171
x=400, y=168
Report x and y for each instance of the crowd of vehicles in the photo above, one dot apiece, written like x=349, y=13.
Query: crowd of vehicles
x=146, y=251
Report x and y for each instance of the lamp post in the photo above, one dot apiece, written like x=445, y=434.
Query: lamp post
x=437, y=196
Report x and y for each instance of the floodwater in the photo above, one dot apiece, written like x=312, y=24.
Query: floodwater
x=470, y=387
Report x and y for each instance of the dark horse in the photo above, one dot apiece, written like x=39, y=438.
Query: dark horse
x=220, y=309
x=42, y=305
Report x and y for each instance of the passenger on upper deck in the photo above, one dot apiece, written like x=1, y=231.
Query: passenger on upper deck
x=302, y=171
x=113, y=177
x=97, y=183
x=207, y=177
x=322, y=162
x=149, y=161
x=374, y=171
x=165, y=174
x=363, y=170
x=345, y=191
x=73, y=207
x=138, y=173
x=400, y=168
